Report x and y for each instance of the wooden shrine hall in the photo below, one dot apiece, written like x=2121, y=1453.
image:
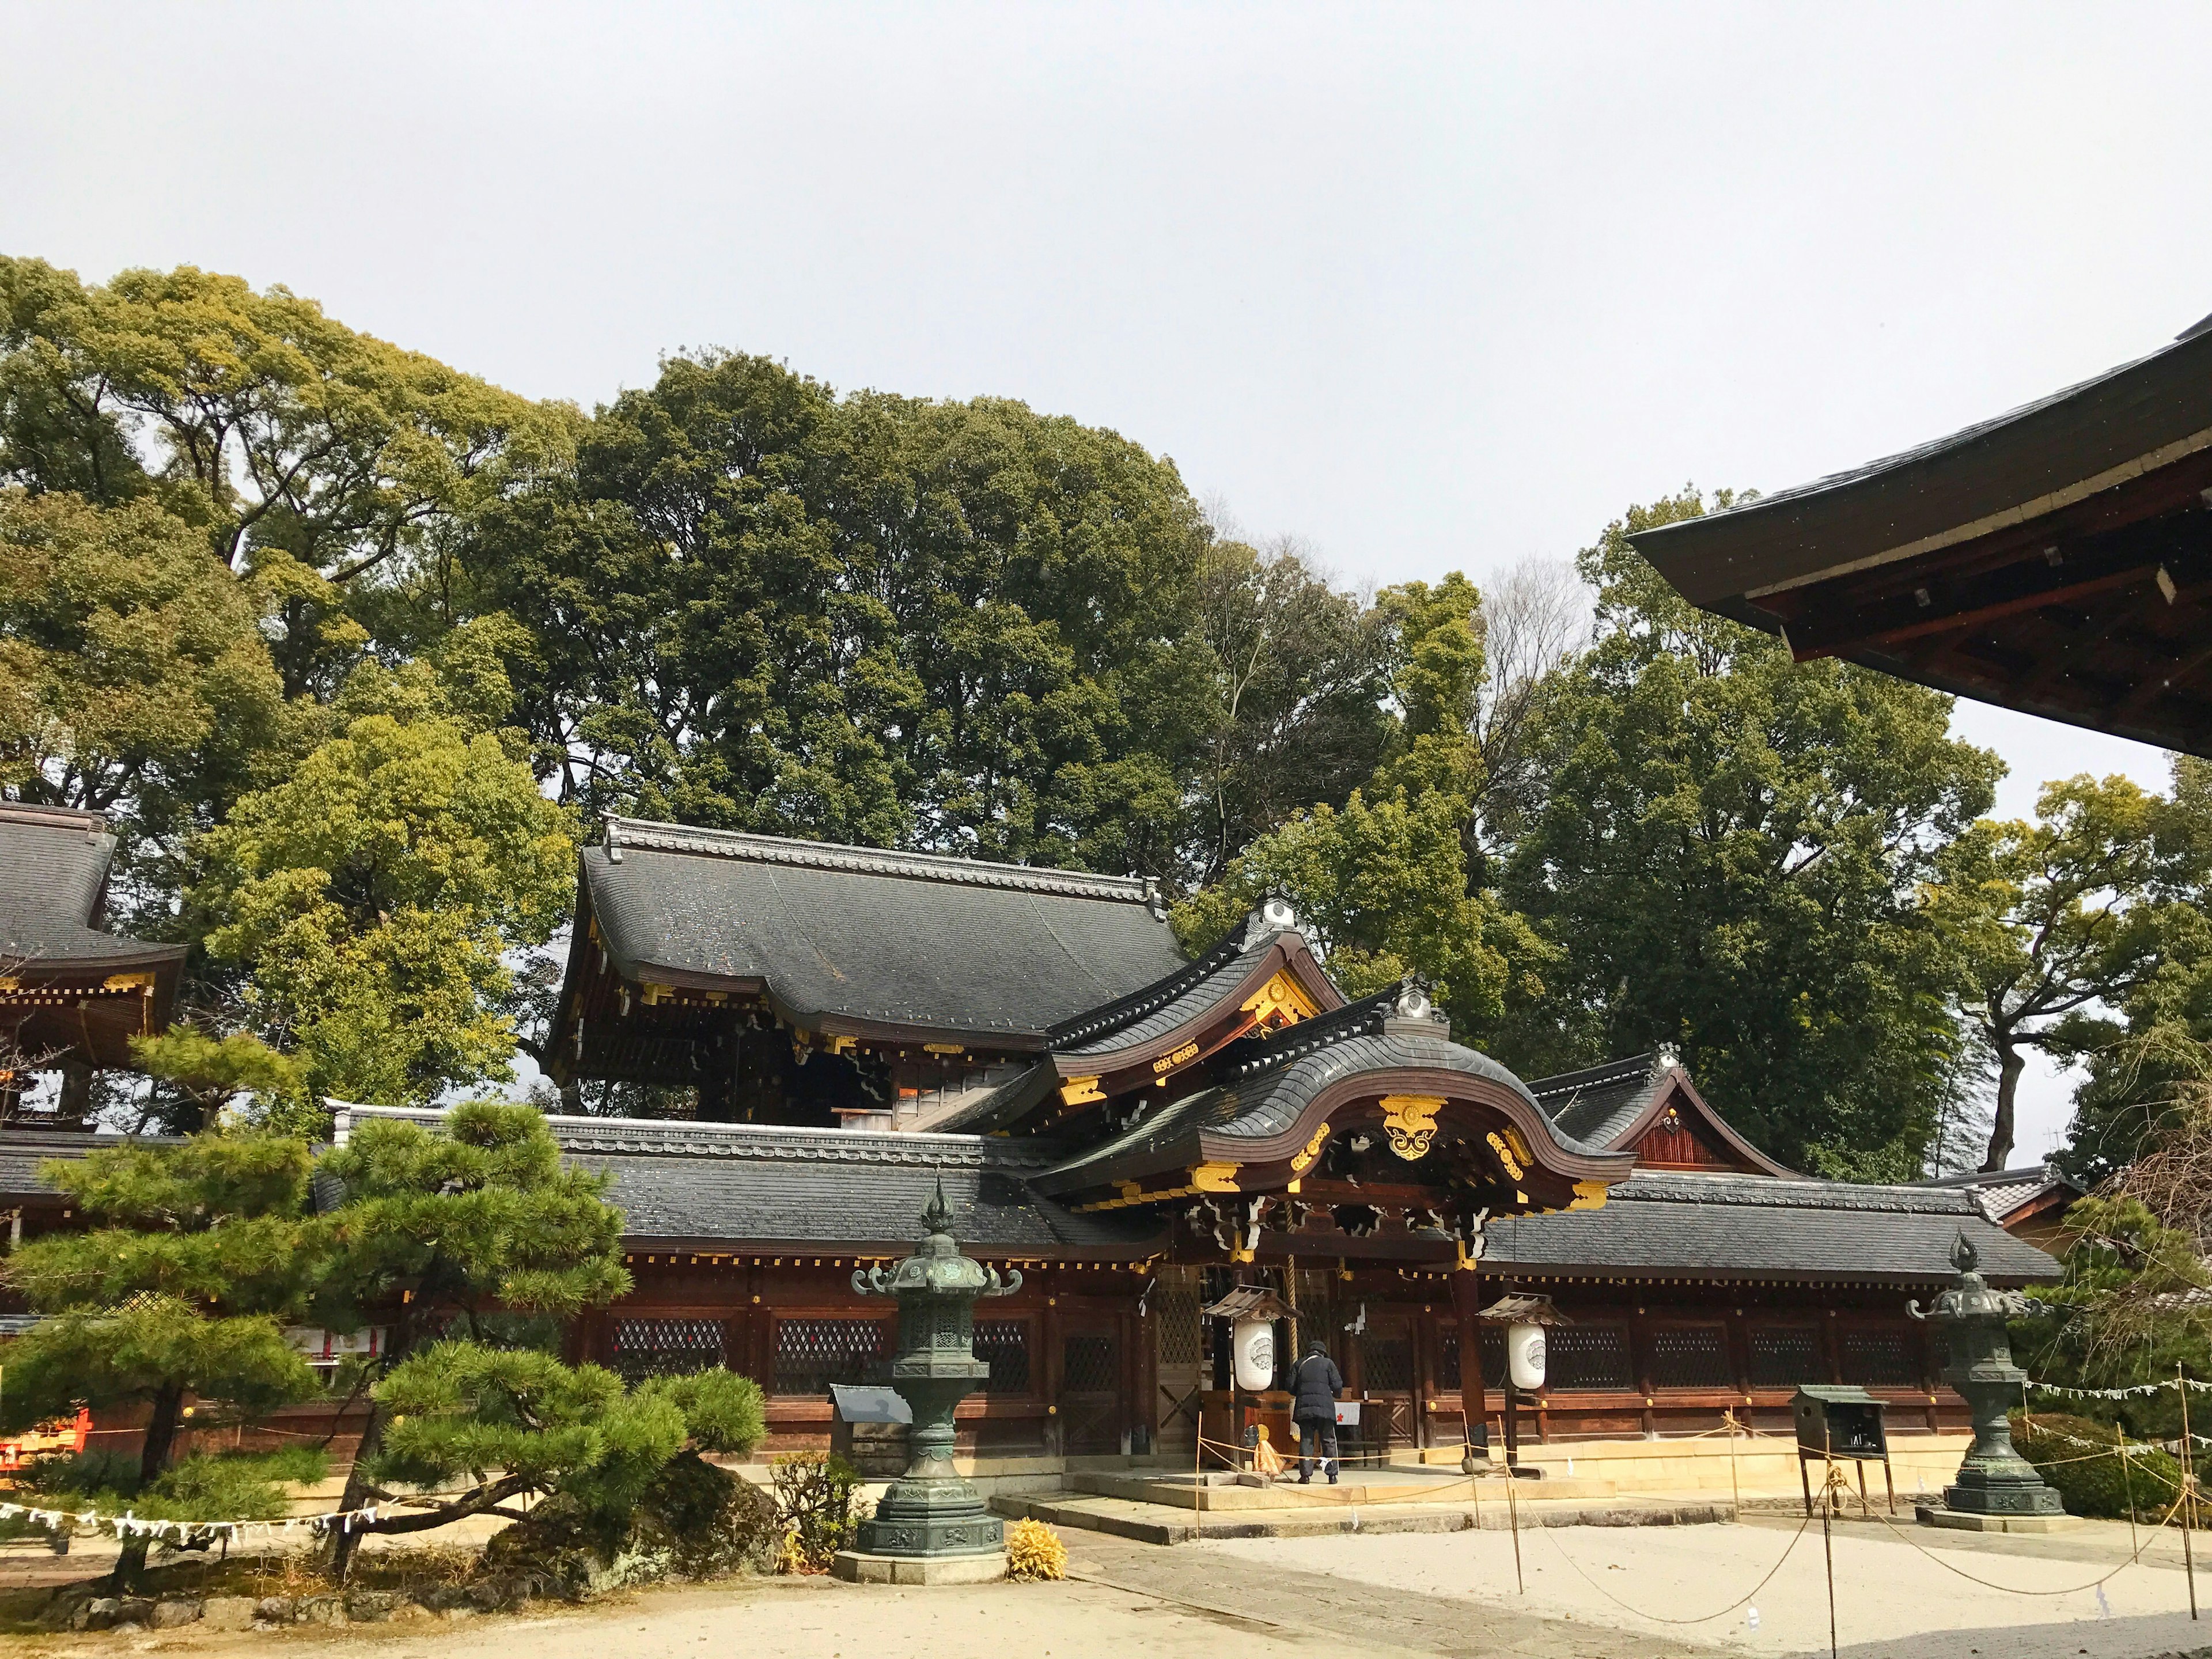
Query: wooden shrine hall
x=72, y=994
x=1138, y=1132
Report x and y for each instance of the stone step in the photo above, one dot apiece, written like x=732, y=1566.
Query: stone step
x=1154, y=1523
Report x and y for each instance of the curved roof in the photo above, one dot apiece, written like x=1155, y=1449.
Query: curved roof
x=2008, y=469
x=869, y=942
x=1266, y=1084
x=1154, y=1021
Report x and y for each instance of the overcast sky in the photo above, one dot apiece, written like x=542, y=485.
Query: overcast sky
x=1432, y=288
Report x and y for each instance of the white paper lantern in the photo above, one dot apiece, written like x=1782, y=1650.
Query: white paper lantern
x=1252, y=1347
x=1524, y=1356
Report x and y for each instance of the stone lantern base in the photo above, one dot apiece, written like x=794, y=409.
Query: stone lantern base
x=859, y=1567
x=1935, y=1515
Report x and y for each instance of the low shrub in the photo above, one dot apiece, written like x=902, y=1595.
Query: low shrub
x=2065, y=1452
x=816, y=1503
x=1035, y=1551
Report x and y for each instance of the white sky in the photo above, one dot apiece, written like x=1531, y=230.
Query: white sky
x=1431, y=287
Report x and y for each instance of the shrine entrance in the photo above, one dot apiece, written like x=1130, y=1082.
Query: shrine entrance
x=1382, y=1375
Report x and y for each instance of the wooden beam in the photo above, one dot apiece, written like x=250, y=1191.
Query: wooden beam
x=1943, y=606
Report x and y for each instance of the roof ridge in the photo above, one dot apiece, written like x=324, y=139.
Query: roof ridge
x=688, y=1137
x=1623, y=1070
x=645, y=833
x=34, y=814
x=1111, y=1016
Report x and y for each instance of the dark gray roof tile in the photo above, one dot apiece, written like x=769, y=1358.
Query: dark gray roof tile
x=883, y=938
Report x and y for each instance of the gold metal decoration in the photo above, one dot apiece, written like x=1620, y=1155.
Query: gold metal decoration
x=1080, y=1090
x=1588, y=1195
x=1215, y=1177
x=1167, y=1063
x=1410, y=1121
x=1281, y=1001
x=1515, y=1166
x=1304, y=1161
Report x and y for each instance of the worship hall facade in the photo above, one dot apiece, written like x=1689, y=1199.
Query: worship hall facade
x=1138, y=1131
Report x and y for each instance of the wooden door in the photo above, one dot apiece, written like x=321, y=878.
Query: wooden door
x=1385, y=1352
x=1091, y=1391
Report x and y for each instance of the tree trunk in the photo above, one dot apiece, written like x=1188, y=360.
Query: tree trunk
x=2010, y=1063
x=75, y=1105
x=345, y=1541
x=168, y=1411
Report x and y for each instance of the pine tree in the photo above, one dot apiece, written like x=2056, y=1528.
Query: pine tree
x=177, y=1293
x=451, y=1233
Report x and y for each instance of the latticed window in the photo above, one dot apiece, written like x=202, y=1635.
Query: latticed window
x=1588, y=1357
x=1493, y=1357
x=1005, y=1344
x=1881, y=1359
x=1387, y=1362
x=812, y=1353
x=1448, y=1357
x=1175, y=1307
x=1784, y=1355
x=1690, y=1357
x=665, y=1348
x=1089, y=1365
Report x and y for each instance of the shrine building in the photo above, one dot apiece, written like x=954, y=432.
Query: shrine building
x=1137, y=1132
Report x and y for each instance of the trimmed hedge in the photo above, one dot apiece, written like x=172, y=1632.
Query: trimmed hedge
x=2091, y=1485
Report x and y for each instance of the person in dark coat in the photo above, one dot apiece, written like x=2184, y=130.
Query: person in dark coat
x=1314, y=1385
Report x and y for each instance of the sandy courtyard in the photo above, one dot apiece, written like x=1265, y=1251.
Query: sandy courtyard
x=1432, y=1594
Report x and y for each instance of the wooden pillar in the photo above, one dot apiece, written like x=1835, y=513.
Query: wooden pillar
x=1466, y=1304
x=1053, y=1358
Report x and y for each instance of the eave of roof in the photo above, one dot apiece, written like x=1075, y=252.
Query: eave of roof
x=1747, y=1228
x=731, y=1188
x=1268, y=1086
x=2015, y=467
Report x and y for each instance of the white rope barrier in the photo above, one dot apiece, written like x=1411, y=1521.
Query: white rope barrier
x=129, y=1524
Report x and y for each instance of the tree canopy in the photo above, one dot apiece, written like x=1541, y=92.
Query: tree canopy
x=354, y=646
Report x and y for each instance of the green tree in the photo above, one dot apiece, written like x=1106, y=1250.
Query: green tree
x=1383, y=886
x=1300, y=684
x=1730, y=856
x=371, y=895
x=173, y=1297
x=2145, y=1050
x=325, y=460
x=509, y=1422
x=134, y=679
x=2049, y=919
x=459, y=1229
x=964, y=627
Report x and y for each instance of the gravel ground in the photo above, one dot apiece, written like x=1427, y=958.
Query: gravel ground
x=1321, y=1598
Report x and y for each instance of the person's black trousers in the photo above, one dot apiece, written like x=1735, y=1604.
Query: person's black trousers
x=1316, y=1432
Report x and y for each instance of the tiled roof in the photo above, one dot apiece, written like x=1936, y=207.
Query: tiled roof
x=734, y=1184
x=2003, y=1191
x=1266, y=1081
x=878, y=938
x=23, y=1151
x=54, y=873
x=1747, y=1227
x=1597, y=1103
x=1185, y=998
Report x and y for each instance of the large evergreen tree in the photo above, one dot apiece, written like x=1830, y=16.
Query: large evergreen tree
x=1730, y=855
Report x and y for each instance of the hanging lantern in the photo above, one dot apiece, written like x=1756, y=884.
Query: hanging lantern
x=1524, y=1356
x=1252, y=1347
